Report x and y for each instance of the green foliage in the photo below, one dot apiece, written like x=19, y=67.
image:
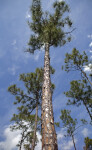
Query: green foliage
x=68, y=122
x=33, y=84
x=26, y=126
x=80, y=90
x=52, y=70
x=75, y=60
x=27, y=102
x=49, y=28
x=88, y=143
x=57, y=124
x=84, y=121
x=36, y=16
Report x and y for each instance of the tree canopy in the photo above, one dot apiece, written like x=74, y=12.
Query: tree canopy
x=80, y=90
x=47, y=27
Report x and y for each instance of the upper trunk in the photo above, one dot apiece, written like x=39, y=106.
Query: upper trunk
x=49, y=138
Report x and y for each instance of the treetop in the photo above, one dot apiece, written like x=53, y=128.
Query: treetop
x=48, y=27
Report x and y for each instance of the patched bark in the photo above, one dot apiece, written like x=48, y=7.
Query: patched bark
x=49, y=138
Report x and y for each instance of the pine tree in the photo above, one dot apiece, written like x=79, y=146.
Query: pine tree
x=27, y=102
x=33, y=83
x=69, y=123
x=88, y=143
x=49, y=31
x=76, y=62
x=80, y=90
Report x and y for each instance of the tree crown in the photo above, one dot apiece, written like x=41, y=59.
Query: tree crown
x=68, y=122
x=48, y=28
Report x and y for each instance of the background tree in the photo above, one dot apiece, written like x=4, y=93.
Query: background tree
x=27, y=103
x=88, y=143
x=80, y=90
x=80, y=93
x=49, y=31
x=69, y=123
x=77, y=62
x=26, y=126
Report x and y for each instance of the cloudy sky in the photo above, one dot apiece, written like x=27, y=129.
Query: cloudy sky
x=14, y=36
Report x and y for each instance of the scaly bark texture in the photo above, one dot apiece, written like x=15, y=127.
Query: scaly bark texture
x=49, y=138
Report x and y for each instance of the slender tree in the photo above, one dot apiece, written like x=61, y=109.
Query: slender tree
x=69, y=123
x=48, y=31
x=26, y=126
x=80, y=90
x=80, y=93
x=28, y=102
x=33, y=83
x=88, y=143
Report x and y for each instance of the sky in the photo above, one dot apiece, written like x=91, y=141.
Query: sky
x=14, y=36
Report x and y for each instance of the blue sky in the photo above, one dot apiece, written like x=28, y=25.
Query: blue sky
x=14, y=36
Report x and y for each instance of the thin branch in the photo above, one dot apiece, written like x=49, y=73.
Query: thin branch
x=85, y=75
x=70, y=31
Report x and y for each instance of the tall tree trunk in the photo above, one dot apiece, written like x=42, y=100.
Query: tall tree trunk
x=73, y=142
x=35, y=128
x=49, y=138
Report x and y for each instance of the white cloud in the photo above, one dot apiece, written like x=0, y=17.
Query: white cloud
x=36, y=57
x=68, y=145
x=37, y=54
x=39, y=144
x=43, y=47
x=11, y=139
x=13, y=69
x=90, y=45
x=60, y=136
x=28, y=14
x=60, y=0
x=90, y=51
x=62, y=141
x=85, y=132
x=90, y=36
x=88, y=68
x=49, y=4
x=14, y=42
